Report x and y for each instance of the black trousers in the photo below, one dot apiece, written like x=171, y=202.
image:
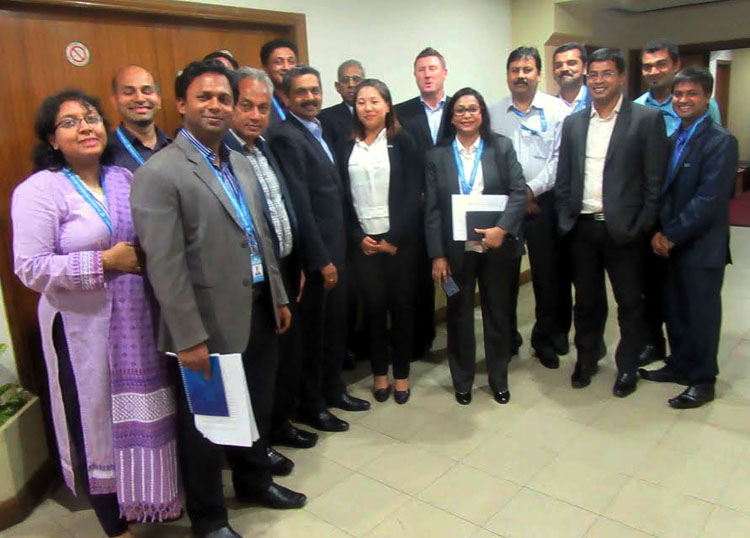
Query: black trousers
x=201, y=460
x=323, y=316
x=495, y=272
x=424, y=293
x=654, y=281
x=105, y=506
x=386, y=288
x=289, y=371
x=540, y=233
x=593, y=251
x=693, y=298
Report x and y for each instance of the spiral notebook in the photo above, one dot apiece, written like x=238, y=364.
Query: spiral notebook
x=206, y=396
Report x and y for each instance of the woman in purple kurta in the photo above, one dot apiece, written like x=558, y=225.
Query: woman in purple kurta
x=112, y=403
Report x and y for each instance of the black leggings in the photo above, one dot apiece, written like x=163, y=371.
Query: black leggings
x=105, y=506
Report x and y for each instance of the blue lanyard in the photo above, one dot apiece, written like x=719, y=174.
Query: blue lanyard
x=678, y=150
x=279, y=110
x=90, y=199
x=128, y=146
x=582, y=102
x=466, y=187
x=542, y=119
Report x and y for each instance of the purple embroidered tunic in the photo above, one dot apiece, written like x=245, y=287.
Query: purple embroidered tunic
x=127, y=407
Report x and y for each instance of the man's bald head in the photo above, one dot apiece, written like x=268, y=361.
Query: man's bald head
x=136, y=95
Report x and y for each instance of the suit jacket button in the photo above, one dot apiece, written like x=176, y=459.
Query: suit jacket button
x=247, y=282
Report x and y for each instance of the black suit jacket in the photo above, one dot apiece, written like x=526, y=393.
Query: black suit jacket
x=412, y=116
x=316, y=191
x=695, y=209
x=337, y=124
x=634, y=171
x=403, y=194
x=502, y=174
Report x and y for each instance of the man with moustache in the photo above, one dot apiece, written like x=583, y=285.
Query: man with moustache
x=209, y=257
x=309, y=164
x=337, y=119
x=277, y=57
x=137, y=97
x=422, y=117
x=533, y=121
x=613, y=158
x=252, y=113
x=569, y=68
x=693, y=238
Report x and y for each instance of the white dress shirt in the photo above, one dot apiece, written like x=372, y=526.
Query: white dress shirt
x=369, y=178
x=535, y=135
x=434, y=117
x=597, y=144
x=577, y=103
x=467, y=157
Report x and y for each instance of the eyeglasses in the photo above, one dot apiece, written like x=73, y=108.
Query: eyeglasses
x=69, y=122
x=604, y=75
x=354, y=79
x=462, y=111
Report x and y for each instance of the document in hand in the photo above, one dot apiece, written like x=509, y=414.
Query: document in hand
x=462, y=204
x=221, y=405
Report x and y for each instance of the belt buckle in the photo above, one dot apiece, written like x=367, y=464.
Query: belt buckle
x=599, y=217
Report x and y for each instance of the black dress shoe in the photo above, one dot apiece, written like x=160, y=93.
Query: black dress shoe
x=401, y=396
x=548, y=358
x=279, y=464
x=324, y=421
x=501, y=396
x=224, y=532
x=560, y=344
x=273, y=496
x=582, y=377
x=464, y=398
x=693, y=396
x=625, y=384
x=347, y=402
x=649, y=354
x=294, y=437
x=665, y=374
x=381, y=395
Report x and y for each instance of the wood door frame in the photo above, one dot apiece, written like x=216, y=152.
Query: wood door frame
x=292, y=24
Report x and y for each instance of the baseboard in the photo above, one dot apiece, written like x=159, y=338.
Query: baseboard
x=16, y=509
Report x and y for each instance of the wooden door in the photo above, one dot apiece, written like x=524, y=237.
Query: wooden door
x=721, y=88
x=161, y=36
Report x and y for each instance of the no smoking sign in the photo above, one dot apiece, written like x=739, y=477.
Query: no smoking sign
x=77, y=53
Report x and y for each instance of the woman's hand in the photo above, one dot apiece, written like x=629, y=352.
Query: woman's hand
x=121, y=257
x=369, y=246
x=493, y=237
x=385, y=246
x=440, y=269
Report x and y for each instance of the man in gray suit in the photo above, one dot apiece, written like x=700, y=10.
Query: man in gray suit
x=613, y=158
x=210, y=259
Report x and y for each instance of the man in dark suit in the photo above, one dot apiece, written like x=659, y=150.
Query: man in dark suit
x=337, y=119
x=422, y=117
x=694, y=239
x=250, y=119
x=613, y=157
x=277, y=57
x=209, y=257
x=317, y=194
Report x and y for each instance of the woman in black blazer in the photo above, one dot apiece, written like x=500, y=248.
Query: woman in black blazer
x=488, y=165
x=381, y=170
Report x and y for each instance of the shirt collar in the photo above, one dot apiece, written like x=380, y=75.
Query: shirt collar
x=161, y=138
x=650, y=100
x=578, y=98
x=207, y=152
x=350, y=107
x=472, y=149
x=313, y=126
x=378, y=139
x=536, y=102
x=439, y=106
x=615, y=112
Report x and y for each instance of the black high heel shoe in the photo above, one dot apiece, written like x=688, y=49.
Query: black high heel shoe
x=382, y=395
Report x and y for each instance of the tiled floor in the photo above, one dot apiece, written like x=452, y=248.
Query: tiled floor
x=555, y=462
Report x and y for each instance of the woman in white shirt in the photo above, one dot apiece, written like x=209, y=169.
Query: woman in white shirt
x=474, y=162
x=381, y=170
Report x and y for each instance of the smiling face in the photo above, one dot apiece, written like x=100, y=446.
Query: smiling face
x=604, y=81
x=347, y=83
x=523, y=77
x=430, y=75
x=79, y=140
x=305, y=96
x=253, y=111
x=207, y=107
x=280, y=61
x=371, y=109
x=658, y=69
x=569, y=68
x=137, y=99
x=467, y=116
x=690, y=101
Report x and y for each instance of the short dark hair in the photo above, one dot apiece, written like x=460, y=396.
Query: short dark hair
x=607, y=55
x=426, y=53
x=524, y=52
x=698, y=74
x=660, y=44
x=223, y=54
x=449, y=131
x=392, y=125
x=572, y=45
x=196, y=69
x=297, y=71
x=44, y=156
x=280, y=43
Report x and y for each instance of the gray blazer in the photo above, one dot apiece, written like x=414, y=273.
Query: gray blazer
x=197, y=255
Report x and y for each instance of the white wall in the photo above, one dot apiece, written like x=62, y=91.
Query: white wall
x=386, y=35
x=7, y=361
